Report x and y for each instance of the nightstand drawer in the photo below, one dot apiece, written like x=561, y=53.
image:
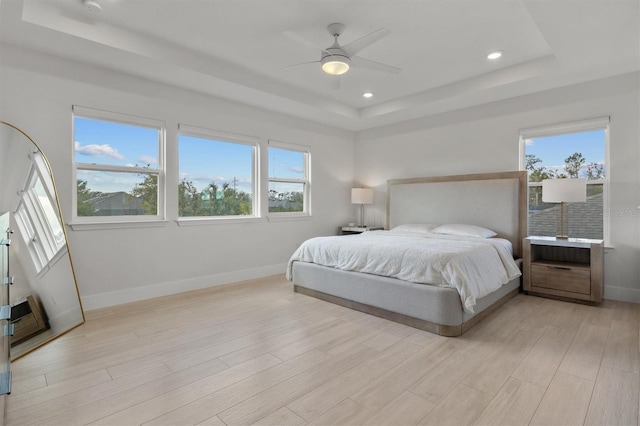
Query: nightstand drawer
x=27, y=320
x=574, y=279
x=24, y=327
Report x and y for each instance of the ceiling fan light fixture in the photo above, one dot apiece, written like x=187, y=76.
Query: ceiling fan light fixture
x=92, y=5
x=335, y=64
x=495, y=55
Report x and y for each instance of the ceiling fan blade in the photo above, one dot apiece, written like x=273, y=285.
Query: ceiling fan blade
x=304, y=41
x=359, y=44
x=295, y=65
x=373, y=65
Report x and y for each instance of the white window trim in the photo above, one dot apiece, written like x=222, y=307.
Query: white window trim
x=97, y=225
x=105, y=222
x=217, y=220
x=306, y=209
x=60, y=255
x=133, y=120
x=44, y=233
x=220, y=136
x=30, y=216
x=597, y=123
x=45, y=176
x=34, y=247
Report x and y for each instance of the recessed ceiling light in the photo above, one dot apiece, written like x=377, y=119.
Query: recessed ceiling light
x=368, y=94
x=495, y=55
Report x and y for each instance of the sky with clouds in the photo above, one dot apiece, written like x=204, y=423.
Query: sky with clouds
x=552, y=150
x=201, y=160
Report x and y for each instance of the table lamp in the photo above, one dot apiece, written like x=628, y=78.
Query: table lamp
x=564, y=191
x=361, y=196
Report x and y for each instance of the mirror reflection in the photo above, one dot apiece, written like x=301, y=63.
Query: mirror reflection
x=44, y=296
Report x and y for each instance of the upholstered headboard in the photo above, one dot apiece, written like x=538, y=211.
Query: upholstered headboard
x=497, y=201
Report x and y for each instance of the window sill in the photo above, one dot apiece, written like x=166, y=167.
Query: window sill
x=62, y=253
x=199, y=221
x=283, y=217
x=90, y=226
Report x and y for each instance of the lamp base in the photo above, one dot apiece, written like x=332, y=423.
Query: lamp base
x=563, y=227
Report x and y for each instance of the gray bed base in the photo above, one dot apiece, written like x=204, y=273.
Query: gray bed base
x=430, y=308
x=496, y=201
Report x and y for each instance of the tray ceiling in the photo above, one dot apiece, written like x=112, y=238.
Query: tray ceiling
x=230, y=48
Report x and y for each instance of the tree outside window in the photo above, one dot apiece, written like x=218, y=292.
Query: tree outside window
x=216, y=174
x=288, y=178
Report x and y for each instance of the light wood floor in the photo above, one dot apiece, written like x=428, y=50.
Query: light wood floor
x=257, y=353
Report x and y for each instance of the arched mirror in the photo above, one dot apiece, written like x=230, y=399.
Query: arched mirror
x=44, y=297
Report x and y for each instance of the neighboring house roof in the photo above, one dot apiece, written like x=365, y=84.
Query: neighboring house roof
x=585, y=219
x=116, y=203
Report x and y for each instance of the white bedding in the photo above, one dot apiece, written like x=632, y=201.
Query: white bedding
x=473, y=266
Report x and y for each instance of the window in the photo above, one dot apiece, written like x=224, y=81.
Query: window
x=572, y=150
x=216, y=174
x=37, y=217
x=289, y=183
x=119, y=165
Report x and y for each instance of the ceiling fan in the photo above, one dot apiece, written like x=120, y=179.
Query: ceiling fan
x=337, y=59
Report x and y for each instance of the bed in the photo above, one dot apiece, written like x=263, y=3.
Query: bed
x=480, y=202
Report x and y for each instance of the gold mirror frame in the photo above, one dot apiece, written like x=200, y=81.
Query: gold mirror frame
x=68, y=249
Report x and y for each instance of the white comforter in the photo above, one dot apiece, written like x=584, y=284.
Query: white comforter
x=473, y=266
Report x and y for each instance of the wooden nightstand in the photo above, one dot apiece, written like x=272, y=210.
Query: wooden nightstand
x=570, y=269
x=27, y=320
x=347, y=230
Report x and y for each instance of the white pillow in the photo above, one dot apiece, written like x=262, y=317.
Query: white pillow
x=415, y=227
x=465, y=230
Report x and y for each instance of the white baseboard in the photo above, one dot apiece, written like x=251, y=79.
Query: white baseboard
x=112, y=298
x=622, y=294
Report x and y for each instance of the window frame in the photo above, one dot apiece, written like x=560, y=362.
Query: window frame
x=591, y=124
x=29, y=234
x=31, y=218
x=306, y=181
x=226, y=137
x=93, y=222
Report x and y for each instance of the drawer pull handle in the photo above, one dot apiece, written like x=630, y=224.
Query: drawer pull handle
x=564, y=268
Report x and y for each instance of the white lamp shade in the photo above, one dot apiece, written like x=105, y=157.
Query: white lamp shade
x=361, y=196
x=564, y=191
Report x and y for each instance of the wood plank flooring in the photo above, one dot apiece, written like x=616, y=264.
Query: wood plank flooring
x=257, y=353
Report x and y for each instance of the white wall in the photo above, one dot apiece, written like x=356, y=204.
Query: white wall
x=121, y=265
x=116, y=266
x=485, y=139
